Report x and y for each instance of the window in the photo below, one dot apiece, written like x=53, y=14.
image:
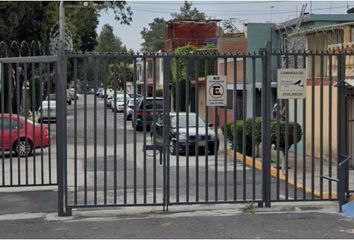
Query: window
x=7, y=123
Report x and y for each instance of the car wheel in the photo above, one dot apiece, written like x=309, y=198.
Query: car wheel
x=173, y=148
x=23, y=147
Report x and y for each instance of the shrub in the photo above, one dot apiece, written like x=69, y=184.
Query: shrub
x=159, y=92
x=258, y=134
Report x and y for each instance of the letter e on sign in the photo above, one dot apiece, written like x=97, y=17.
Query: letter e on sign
x=216, y=91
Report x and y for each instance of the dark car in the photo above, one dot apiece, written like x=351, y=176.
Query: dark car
x=206, y=139
x=153, y=107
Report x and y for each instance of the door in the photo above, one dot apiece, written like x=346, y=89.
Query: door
x=7, y=133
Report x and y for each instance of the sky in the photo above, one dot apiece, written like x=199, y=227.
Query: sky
x=239, y=12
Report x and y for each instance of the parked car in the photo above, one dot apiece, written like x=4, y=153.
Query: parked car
x=18, y=136
x=72, y=94
x=52, y=97
x=137, y=96
x=99, y=92
x=109, y=98
x=205, y=142
x=47, y=112
x=119, y=105
x=147, y=115
x=130, y=108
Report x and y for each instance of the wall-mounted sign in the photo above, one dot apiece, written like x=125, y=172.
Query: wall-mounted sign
x=216, y=91
x=291, y=83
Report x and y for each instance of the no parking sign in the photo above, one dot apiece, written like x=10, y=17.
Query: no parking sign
x=216, y=91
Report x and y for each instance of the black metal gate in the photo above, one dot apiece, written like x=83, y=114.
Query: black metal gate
x=135, y=130
x=177, y=150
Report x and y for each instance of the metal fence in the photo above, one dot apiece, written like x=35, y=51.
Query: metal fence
x=27, y=152
x=139, y=131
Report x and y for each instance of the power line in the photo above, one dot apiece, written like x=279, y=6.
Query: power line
x=164, y=10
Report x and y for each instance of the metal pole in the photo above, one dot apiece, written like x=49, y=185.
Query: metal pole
x=60, y=112
x=341, y=129
x=266, y=145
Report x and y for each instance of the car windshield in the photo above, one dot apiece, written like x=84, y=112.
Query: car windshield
x=149, y=104
x=182, y=121
x=51, y=97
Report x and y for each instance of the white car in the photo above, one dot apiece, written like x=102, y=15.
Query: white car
x=47, y=112
x=119, y=105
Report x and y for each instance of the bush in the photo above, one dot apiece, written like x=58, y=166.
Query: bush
x=159, y=92
x=258, y=134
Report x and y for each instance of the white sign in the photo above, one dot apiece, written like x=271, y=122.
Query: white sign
x=291, y=83
x=216, y=91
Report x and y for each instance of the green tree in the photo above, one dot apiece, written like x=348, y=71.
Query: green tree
x=155, y=36
x=108, y=42
x=188, y=13
x=29, y=21
x=179, y=64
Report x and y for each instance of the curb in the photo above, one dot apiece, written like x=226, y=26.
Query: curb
x=273, y=172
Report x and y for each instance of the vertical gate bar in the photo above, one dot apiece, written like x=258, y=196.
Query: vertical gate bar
x=266, y=132
x=178, y=69
x=10, y=120
x=49, y=123
x=61, y=140
x=234, y=143
x=26, y=118
x=33, y=100
x=95, y=130
x=253, y=127
x=85, y=129
x=134, y=136
x=244, y=116
x=154, y=110
x=144, y=129
x=225, y=135
x=144, y=109
x=65, y=130
x=186, y=105
x=321, y=124
x=277, y=144
x=188, y=66
x=295, y=135
x=206, y=133
x=304, y=135
x=115, y=86
x=330, y=124
x=105, y=131
x=125, y=130
x=18, y=120
x=41, y=105
x=216, y=125
x=2, y=126
x=197, y=130
x=340, y=128
x=167, y=80
x=286, y=137
x=75, y=132
x=313, y=127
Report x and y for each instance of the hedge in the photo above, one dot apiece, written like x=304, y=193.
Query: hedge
x=258, y=134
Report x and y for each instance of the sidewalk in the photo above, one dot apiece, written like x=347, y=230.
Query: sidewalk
x=38, y=219
x=297, y=176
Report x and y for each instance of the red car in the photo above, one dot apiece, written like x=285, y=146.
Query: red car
x=21, y=140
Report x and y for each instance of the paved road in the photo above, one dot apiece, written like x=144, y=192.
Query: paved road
x=124, y=173
x=129, y=161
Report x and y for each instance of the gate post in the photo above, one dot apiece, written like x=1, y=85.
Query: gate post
x=60, y=114
x=341, y=132
x=166, y=134
x=266, y=108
